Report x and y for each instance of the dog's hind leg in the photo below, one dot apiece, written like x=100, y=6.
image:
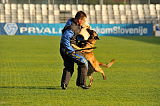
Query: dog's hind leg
x=99, y=69
x=104, y=76
x=107, y=65
x=90, y=80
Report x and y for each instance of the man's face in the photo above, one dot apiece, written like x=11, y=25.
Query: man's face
x=82, y=21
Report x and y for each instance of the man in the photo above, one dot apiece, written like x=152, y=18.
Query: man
x=68, y=53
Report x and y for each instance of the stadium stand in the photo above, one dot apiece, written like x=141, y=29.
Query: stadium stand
x=107, y=14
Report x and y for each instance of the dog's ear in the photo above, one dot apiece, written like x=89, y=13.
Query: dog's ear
x=90, y=31
x=95, y=35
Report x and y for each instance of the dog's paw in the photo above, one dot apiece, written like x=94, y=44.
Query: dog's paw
x=104, y=77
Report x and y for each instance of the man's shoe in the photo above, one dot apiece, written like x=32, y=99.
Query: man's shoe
x=64, y=86
x=84, y=86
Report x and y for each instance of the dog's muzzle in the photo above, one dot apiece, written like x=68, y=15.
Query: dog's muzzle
x=96, y=38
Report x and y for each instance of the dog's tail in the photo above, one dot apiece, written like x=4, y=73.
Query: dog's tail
x=109, y=64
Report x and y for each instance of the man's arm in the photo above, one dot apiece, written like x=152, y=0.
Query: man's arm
x=66, y=40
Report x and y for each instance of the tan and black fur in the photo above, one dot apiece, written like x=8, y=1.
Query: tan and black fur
x=94, y=64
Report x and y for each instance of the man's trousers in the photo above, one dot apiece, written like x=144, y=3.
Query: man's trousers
x=69, y=60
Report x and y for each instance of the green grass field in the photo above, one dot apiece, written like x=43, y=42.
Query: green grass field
x=31, y=68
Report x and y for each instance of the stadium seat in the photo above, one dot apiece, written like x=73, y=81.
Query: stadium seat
x=139, y=7
x=98, y=7
x=151, y=6
x=74, y=12
x=44, y=6
x=62, y=7
x=133, y=7
x=50, y=7
x=158, y=7
x=68, y=7
x=86, y=8
x=115, y=7
x=117, y=21
x=13, y=6
x=26, y=7
x=74, y=7
x=39, y=18
x=146, y=7
x=50, y=19
x=109, y=7
x=128, y=12
x=116, y=12
x=79, y=7
x=129, y=21
x=32, y=7
x=104, y=7
x=56, y=10
x=55, y=7
x=123, y=19
x=128, y=7
x=1, y=6
x=121, y=7
x=136, y=21
x=111, y=21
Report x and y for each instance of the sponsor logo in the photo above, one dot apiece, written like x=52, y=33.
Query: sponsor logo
x=43, y=30
x=120, y=30
x=10, y=28
x=157, y=27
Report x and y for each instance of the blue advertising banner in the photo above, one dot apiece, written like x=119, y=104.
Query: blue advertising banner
x=123, y=29
x=55, y=29
x=30, y=29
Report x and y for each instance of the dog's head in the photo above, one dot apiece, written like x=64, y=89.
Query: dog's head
x=93, y=36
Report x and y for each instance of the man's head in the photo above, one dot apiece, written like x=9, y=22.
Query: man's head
x=81, y=17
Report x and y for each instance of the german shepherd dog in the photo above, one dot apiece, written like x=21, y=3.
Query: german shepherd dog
x=94, y=64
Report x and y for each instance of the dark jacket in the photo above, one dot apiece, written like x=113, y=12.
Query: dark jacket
x=69, y=33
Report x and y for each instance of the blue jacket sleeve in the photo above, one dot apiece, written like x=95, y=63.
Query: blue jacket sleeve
x=66, y=40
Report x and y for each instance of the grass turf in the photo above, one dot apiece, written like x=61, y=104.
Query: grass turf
x=31, y=68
